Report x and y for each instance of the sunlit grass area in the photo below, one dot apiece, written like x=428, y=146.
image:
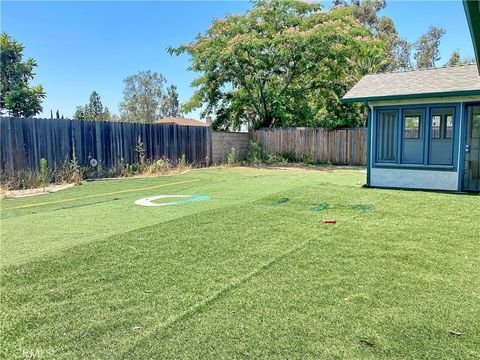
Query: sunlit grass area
x=248, y=272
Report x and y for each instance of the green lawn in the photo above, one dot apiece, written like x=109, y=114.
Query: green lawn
x=86, y=273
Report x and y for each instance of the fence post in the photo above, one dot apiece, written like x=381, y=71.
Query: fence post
x=208, y=158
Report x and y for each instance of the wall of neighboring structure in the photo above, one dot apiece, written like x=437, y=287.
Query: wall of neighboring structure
x=416, y=177
x=223, y=142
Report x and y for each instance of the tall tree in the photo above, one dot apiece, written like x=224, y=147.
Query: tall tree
x=170, y=103
x=427, y=51
x=283, y=63
x=17, y=98
x=95, y=106
x=366, y=11
x=397, y=50
x=401, y=53
x=94, y=110
x=142, y=97
x=456, y=59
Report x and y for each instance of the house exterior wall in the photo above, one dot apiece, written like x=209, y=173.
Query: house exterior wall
x=421, y=176
x=414, y=179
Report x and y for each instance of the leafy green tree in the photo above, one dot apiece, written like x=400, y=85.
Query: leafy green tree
x=80, y=113
x=427, y=51
x=17, y=98
x=114, y=117
x=401, y=53
x=95, y=106
x=170, y=103
x=366, y=11
x=456, y=59
x=94, y=110
x=283, y=63
x=142, y=97
x=398, y=50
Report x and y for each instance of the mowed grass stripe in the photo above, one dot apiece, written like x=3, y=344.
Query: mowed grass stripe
x=84, y=224
x=205, y=303
x=98, y=195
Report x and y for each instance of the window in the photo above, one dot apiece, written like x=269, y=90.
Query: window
x=441, y=142
x=417, y=136
x=387, y=136
x=412, y=126
x=412, y=145
x=442, y=124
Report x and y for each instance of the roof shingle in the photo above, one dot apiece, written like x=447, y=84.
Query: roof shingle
x=435, y=81
x=180, y=121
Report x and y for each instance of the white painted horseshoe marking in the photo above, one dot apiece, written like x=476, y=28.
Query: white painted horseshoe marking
x=148, y=200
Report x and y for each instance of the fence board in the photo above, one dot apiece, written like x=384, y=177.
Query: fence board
x=25, y=141
x=339, y=146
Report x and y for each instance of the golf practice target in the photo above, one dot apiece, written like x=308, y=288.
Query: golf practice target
x=185, y=199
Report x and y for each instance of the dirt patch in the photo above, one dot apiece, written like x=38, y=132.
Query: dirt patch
x=33, y=192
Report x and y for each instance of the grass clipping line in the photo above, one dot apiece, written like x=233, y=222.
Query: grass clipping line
x=99, y=195
x=198, y=307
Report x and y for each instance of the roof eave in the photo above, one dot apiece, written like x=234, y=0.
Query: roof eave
x=472, y=12
x=411, y=96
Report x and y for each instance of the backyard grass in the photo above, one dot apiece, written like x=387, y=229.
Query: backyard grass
x=250, y=273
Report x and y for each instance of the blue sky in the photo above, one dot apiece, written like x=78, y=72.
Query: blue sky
x=86, y=46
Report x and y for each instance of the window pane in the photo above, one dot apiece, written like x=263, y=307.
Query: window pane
x=412, y=137
x=412, y=127
x=449, y=129
x=441, y=137
x=387, y=136
x=436, y=120
x=476, y=124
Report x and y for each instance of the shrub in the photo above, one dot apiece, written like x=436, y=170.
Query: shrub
x=23, y=179
x=182, y=162
x=275, y=159
x=307, y=159
x=232, y=157
x=288, y=156
x=140, y=149
x=44, y=172
x=76, y=172
x=160, y=166
x=255, y=153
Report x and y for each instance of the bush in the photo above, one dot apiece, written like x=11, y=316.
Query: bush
x=160, y=166
x=140, y=150
x=44, y=172
x=288, y=156
x=276, y=158
x=232, y=157
x=24, y=179
x=307, y=159
x=255, y=153
x=182, y=162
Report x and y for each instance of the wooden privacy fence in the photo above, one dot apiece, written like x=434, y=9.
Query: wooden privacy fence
x=340, y=146
x=25, y=141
